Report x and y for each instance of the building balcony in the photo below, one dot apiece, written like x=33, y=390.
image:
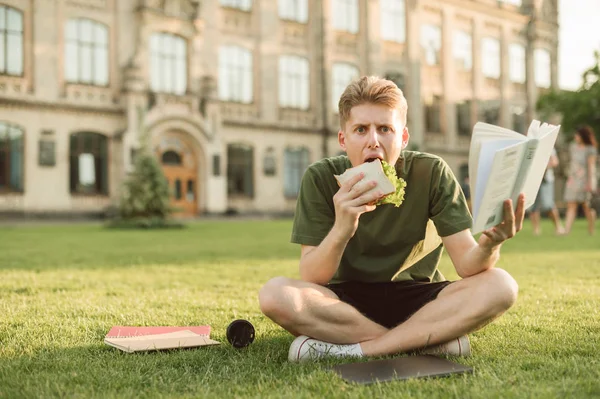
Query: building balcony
x=394, y=51
x=14, y=86
x=345, y=42
x=297, y=118
x=180, y=104
x=236, y=21
x=434, y=140
x=238, y=113
x=294, y=34
x=89, y=95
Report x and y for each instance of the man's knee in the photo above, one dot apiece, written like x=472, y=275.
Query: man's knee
x=271, y=296
x=503, y=289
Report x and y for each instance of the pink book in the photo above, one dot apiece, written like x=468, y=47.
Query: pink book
x=126, y=331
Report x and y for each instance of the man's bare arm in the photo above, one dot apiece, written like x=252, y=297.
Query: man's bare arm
x=319, y=264
x=470, y=257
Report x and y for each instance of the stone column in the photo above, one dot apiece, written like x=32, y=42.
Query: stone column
x=505, y=85
x=448, y=78
x=477, y=72
x=266, y=59
x=413, y=81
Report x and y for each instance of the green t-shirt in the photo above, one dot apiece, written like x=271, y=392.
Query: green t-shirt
x=388, y=235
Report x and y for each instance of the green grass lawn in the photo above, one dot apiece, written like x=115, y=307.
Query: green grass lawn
x=62, y=287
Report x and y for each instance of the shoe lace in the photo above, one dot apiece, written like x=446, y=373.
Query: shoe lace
x=319, y=349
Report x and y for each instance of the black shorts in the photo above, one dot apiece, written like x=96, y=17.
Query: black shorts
x=390, y=303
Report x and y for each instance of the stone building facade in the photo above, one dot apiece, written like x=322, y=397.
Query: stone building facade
x=237, y=97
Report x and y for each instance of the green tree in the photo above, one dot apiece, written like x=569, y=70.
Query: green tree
x=146, y=191
x=576, y=108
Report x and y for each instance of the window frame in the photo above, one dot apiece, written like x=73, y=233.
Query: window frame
x=540, y=78
x=427, y=32
x=160, y=80
x=246, y=164
x=293, y=10
x=6, y=150
x=293, y=169
x=346, y=16
x=5, y=33
x=461, y=41
x=94, y=45
x=102, y=177
x=519, y=77
x=243, y=5
x=486, y=58
x=294, y=77
x=393, y=11
x=339, y=84
x=240, y=71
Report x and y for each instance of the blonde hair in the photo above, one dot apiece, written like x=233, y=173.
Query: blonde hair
x=374, y=90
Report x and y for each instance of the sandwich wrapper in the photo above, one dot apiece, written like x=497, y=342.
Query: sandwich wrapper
x=373, y=171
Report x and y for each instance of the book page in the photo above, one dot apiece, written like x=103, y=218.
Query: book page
x=487, y=154
x=533, y=179
x=482, y=133
x=498, y=185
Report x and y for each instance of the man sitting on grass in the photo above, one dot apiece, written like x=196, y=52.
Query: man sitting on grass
x=370, y=283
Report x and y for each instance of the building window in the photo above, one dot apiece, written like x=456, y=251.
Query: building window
x=463, y=118
x=294, y=10
x=11, y=157
x=519, y=123
x=513, y=2
x=86, y=52
x=516, y=54
x=240, y=170
x=244, y=5
x=431, y=42
x=11, y=41
x=393, y=20
x=293, y=82
x=489, y=112
x=463, y=50
x=235, y=74
x=88, y=163
x=541, y=59
x=490, y=55
x=397, y=78
x=171, y=158
x=296, y=161
x=345, y=15
x=168, y=63
x=342, y=75
x=433, y=115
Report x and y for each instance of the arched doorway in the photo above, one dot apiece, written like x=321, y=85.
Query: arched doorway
x=180, y=166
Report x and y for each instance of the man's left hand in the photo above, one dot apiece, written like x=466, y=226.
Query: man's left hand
x=512, y=223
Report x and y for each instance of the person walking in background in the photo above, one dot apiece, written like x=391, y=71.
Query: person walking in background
x=582, y=179
x=544, y=202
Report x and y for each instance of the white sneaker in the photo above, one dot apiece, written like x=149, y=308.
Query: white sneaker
x=456, y=347
x=305, y=348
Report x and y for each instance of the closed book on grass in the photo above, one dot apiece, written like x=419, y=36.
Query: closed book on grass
x=132, y=331
x=154, y=342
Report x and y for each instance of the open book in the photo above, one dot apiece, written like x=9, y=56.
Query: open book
x=503, y=164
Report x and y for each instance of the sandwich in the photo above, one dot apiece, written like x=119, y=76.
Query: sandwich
x=384, y=174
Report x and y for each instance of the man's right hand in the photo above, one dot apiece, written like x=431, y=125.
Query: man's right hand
x=352, y=200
